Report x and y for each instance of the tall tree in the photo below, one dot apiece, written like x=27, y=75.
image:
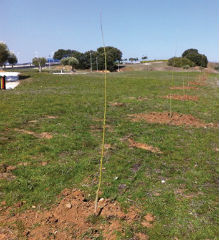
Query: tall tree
x=4, y=53
x=113, y=55
x=12, y=59
x=193, y=55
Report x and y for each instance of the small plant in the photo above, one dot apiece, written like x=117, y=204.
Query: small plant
x=94, y=219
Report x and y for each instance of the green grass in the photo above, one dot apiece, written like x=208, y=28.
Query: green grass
x=189, y=161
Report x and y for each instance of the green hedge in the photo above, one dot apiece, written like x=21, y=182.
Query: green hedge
x=180, y=62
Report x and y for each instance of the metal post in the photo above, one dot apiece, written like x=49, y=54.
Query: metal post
x=97, y=63
x=91, y=66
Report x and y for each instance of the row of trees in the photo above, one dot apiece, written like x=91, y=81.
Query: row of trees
x=91, y=59
x=6, y=56
x=190, y=58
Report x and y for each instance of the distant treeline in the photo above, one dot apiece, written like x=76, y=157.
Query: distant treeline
x=92, y=59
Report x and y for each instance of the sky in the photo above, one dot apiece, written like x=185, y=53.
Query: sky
x=159, y=29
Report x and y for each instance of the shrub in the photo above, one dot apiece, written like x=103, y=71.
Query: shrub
x=180, y=62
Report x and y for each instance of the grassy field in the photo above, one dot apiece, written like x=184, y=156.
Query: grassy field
x=179, y=187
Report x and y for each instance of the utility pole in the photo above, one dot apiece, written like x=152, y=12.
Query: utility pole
x=91, y=66
x=118, y=65
x=97, y=63
x=49, y=62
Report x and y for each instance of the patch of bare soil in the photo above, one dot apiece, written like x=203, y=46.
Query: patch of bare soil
x=6, y=172
x=148, y=221
x=51, y=117
x=141, y=236
x=144, y=146
x=44, y=135
x=197, y=83
x=165, y=118
x=117, y=104
x=97, y=128
x=138, y=98
x=181, y=194
x=182, y=97
x=185, y=87
x=142, y=98
x=46, y=117
x=71, y=218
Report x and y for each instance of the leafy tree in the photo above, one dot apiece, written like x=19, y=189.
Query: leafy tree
x=86, y=58
x=190, y=51
x=12, y=59
x=61, y=53
x=39, y=62
x=133, y=59
x=144, y=58
x=196, y=57
x=4, y=53
x=71, y=61
x=76, y=54
x=113, y=55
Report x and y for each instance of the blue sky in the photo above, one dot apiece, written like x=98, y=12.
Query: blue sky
x=156, y=28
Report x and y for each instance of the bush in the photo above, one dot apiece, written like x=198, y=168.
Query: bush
x=180, y=62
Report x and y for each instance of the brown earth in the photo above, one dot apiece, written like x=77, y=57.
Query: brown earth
x=197, y=83
x=182, y=97
x=44, y=135
x=97, y=128
x=6, y=172
x=144, y=146
x=183, y=88
x=142, y=98
x=117, y=104
x=46, y=117
x=71, y=218
x=165, y=118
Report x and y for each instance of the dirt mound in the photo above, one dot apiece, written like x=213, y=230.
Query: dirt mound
x=165, y=118
x=44, y=135
x=197, y=83
x=183, y=88
x=182, y=97
x=71, y=218
x=144, y=146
